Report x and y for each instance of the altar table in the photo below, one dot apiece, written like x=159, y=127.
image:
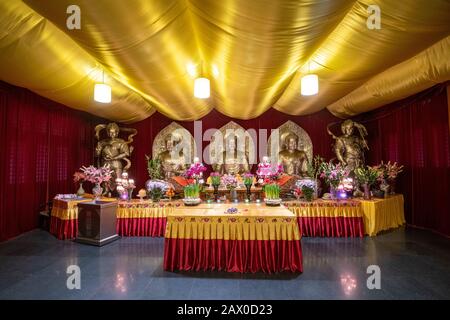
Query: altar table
x=256, y=238
x=383, y=214
x=134, y=218
x=326, y=218
x=321, y=218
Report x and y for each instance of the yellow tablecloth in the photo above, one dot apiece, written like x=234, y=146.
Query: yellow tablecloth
x=251, y=222
x=383, y=214
x=145, y=209
x=68, y=210
x=326, y=208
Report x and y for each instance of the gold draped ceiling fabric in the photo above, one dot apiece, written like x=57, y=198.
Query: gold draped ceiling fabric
x=254, y=52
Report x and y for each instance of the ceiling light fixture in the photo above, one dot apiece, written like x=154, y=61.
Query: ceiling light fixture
x=309, y=83
x=102, y=91
x=202, y=86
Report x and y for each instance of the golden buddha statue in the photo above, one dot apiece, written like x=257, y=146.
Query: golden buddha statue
x=293, y=160
x=114, y=151
x=172, y=161
x=232, y=160
x=349, y=148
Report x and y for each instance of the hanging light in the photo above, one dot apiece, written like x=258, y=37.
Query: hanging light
x=202, y=87
x=309, y=83
x=102, y=92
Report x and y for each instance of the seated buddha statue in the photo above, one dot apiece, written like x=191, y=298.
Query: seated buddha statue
x=172, y=161
x=293, y=160
x=232, y=160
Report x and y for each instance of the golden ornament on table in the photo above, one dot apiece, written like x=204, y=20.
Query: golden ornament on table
x=142, y=194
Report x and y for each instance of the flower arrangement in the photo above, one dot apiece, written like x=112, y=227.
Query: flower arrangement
x=333, y=173
x=154, y=168
x=79, y=177
x=388, y=171
x=267, y=171
x=249, y=179
x=367, y=175
x=214, y=179
x=305, y=188
x=97, y=175
x=195, y=171
x=229, y=181
x=155, y=189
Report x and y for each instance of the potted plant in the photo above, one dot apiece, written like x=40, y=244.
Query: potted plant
x=366, y=176
x=248, y=182
x=192, y=194
x=305, y=188
x=314, y=169
x=230, y=182
x=155, y=189
x=155, y=186
x=214, y=179
x=272, y=194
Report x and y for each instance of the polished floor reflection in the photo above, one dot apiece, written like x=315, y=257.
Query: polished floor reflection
x=414, y=264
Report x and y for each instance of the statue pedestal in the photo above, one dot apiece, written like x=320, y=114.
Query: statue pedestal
x=97, y=222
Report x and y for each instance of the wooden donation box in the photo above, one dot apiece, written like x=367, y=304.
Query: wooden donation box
x=97, y=222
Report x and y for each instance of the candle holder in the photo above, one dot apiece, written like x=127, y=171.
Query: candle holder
x=125, y=187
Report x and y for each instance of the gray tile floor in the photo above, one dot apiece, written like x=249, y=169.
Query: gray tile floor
x=414, y=264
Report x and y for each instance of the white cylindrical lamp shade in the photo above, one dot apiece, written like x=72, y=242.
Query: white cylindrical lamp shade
x=201, y=88
x=309, y=85
x=102, y=93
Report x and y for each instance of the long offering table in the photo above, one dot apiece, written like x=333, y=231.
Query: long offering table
x=320, y=218
x=233, y=238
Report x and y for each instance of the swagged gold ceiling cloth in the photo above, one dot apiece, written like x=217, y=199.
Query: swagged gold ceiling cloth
x=254, y=53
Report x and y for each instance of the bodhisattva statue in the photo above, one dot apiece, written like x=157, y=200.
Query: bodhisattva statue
x=293, y=160
x=349, y=147
x=113, y=150
x=173, y=163
x=232, y=161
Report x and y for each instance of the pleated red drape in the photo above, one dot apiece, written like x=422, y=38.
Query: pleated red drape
x=42, y=144
x=415, y=133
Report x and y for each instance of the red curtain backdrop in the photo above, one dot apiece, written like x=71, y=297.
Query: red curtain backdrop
x=415, y=132
x=42, y=144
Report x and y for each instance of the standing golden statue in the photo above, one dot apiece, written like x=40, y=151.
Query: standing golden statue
x=293, y=160
x=114, y=151
x=232, y=160
x=349, y=147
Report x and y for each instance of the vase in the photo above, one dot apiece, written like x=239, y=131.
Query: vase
x=249, y=192
x=391, y=183
x=80, y=191
x=97, y=191
x=216, y=192
x=367, y=195
x=333, y=191
x=233, y=194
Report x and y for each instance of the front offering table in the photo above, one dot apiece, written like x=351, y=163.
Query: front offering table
x=97, y=222
x=232, y=238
